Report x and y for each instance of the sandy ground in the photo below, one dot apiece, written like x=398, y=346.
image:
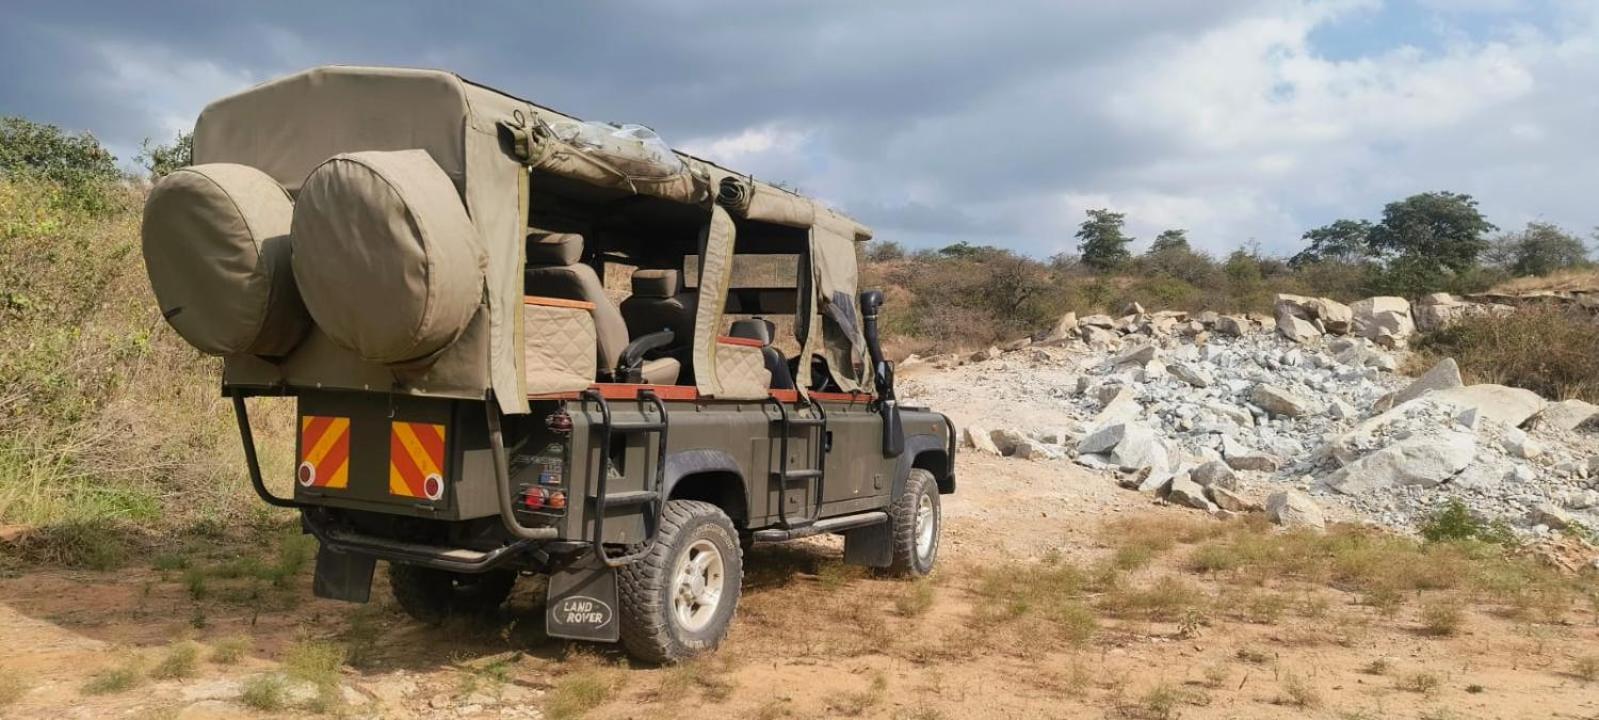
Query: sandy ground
x=813, y=639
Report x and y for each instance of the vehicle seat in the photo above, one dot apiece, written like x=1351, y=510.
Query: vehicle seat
x=659, y=303
x=763, y=330
x=555, y=269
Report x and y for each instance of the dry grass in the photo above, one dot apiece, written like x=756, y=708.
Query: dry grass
x=180, y=661
x=1586, y=668
x=915, y=599
x=1544, y=348
x=1443, y=617
x=1422, y=682
x=127, y=674
x=1298, y=692
x=585, y=683
x=230, y=650
x=267, y=693
x=856, y=703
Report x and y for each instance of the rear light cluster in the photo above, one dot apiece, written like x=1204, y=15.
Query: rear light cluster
x=538, y=499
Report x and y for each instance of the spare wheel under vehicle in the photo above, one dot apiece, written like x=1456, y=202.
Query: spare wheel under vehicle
x=216, y=247
x=385, y=255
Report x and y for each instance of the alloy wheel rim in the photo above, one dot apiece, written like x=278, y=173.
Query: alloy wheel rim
x=697, y=585
x=926, y=527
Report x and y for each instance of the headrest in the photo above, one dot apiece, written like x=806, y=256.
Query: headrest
x=655, y=283
x=554, y=248
x=754, y=329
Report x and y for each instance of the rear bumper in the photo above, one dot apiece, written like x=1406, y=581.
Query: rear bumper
x=461, y=560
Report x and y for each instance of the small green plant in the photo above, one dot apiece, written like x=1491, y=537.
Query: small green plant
x=1422, y=682
x=267, y=693
x=230, y=650
x=852, y=704
x=1442, y=618
x=583, y=688
x=1380, y=666
x=1252, y=656
x=1454, y=522
x=180, y=661
x=1475, y=689
x=124, y=676
x=915, y=599
x=317, y=663
x=1299, y=693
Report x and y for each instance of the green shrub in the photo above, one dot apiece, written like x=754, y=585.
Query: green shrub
x=1547, y=349
x=1454, y=522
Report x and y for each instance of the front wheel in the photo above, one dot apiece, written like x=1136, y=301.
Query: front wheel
x=917, y=523
x=679, y=599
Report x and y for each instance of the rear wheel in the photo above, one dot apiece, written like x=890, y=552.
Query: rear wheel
x=431, y=596
x=679, y=600
x=917, y=525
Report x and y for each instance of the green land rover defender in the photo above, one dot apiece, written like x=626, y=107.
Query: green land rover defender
x=524, y=343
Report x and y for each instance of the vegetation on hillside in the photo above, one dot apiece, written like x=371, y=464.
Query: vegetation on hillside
x=106, y=417
x=971, y=295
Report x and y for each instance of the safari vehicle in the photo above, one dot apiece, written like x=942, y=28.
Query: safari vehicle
x=418, y=261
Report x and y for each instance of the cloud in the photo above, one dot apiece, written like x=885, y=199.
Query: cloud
x=944, y=121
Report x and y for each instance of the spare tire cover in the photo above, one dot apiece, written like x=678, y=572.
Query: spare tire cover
x=385, y=256
x=216, y=246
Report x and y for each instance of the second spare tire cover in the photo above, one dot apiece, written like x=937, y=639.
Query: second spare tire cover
x=216, y=246
x=385, y=255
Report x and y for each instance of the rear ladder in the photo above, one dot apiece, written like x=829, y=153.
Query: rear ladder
x=650, y=496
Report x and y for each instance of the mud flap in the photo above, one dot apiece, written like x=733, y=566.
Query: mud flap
x=871, y=546
x=343, y=576
x=580, y=603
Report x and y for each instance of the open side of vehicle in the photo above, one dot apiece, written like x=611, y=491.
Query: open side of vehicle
x=431, y=269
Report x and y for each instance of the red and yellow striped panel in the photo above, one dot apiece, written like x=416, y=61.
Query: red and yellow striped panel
x=416, y=460
x=324, y=452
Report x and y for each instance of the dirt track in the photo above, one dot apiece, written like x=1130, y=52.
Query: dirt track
x=813, y=639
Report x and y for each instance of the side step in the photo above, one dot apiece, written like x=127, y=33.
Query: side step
x=829, y=525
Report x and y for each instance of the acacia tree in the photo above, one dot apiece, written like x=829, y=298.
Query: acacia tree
x=1170, y=240
x=1101, y=241
x=1543, y=248
x=1443, y=229
x=1347, y=241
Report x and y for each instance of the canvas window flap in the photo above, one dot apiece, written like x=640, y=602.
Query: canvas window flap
x=716, y=276
x=836, y=330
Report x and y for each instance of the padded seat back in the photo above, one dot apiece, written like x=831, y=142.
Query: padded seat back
x=555, y=269
x=764, y=330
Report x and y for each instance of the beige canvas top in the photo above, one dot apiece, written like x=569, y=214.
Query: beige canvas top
x=485, y=141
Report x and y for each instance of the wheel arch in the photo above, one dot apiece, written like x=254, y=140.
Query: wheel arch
x=711, y=476
x=925, y=452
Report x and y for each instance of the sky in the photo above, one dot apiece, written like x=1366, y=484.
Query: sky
x=1000, y=123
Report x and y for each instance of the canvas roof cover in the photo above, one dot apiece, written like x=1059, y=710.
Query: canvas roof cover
x=485, y=141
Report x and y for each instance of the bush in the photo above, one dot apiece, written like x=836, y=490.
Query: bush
x=75, y=163
x=1547, y=349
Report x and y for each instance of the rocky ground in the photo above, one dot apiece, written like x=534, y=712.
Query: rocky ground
x=1229, y=414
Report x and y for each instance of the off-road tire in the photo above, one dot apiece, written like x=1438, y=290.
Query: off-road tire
x=431, y=596
x=902, y=515
x=649, y=627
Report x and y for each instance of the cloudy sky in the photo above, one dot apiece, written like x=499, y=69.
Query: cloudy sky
x=991, y=122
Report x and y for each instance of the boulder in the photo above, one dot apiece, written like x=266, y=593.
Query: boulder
x=1231, y=412
x=1384, y=320
x=1191, y=374
x=1278, y=401
x=1006, y=439
x=1133, y=308
x=981, y=441
x=1295, y=328
x=1291, y=508
x=1104, y=439
x=1507, y=405
x=1064, y=328
x=1184, y=491
x=1017, y=344
x=1239, y=457
x=1214, y=474
x=1029, y=449
x=1566, y=414
x=1444, y=375
x=1231, y=501
x=1207, y=318
x=1121, y=407
x=1098, y=337
x=1335, y=316
x=1552, y=516
x=1098, y=321
x=1519, y=445
x=1231, y=325
x=1438, y=310
x=988, y=354
x=1138, y=354
x=1425, y=461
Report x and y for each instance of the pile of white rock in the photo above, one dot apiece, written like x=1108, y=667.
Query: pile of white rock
x=1220, y=414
